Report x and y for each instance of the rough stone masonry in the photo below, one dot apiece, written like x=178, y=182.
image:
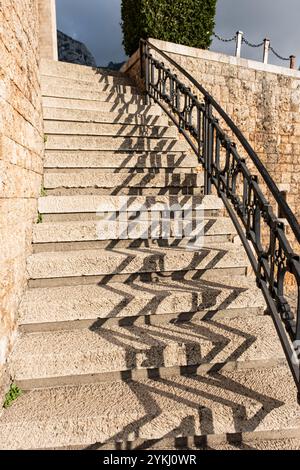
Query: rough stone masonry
x=21, y=157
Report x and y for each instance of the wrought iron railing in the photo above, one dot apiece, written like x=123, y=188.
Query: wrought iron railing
x=244, y=198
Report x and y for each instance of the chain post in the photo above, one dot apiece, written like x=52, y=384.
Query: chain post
x=266, y=50
x=239, y=40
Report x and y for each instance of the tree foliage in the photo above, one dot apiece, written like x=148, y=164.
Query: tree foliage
x=188, y=22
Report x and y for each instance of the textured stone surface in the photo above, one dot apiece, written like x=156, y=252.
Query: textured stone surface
x=245, y=341
x=133, y=260
x=82, y=116
x=93, y=129
x=120, y=300
x=83, y=73
x=102, y=106
x=92, y=95
x=111, y=228
x=82, y=142
x=91, y=83
x=118, y=160
x=73, y=204
x=47, y=29
x=99, y=179
x=219, y=403
x=21, y=155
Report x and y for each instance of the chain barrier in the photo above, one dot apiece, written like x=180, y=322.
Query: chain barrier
x=279, y=56
x=223, y=39
x=248, y=43
x=252, y=45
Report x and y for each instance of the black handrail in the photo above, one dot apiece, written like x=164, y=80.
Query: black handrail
x=242, y=139
x=246, y=204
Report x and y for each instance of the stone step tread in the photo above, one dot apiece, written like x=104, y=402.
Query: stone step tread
x=91, y=94
x=83, y=142
x=93, y=204
x=121, y=300
x=224, y=402
x=99, y=179
x=101, y=106
x=93, y=82
x=80, y=115
x=50, y=68
x=119, y=160
x=240, y=342
x=47, y=265
x=115, y=130
x=54, y=232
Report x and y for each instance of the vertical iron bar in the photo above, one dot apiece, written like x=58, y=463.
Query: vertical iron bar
x=209, y=146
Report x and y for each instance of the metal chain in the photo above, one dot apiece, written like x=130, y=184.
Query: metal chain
x=223, y=39
x=244, y=40
x=252, y=45
x=277, y=55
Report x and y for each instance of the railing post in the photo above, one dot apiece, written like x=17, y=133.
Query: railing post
x=266, y=50
x=292, y=62
x=239, y=40
x=208, y=147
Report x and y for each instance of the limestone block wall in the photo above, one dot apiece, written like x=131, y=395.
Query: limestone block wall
x=263, y=100
x=21, y=157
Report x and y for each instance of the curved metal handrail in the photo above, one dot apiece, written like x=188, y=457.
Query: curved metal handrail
x=245, y=202
x=290, y=217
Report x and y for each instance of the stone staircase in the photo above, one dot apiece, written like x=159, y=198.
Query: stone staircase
x=129, y=338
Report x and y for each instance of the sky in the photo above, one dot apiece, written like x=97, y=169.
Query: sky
x=97, y=24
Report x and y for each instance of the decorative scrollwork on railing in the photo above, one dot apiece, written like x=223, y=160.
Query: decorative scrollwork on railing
x=261, y=232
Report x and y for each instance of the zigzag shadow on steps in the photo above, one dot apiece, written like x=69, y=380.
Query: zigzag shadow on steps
x=191, y=428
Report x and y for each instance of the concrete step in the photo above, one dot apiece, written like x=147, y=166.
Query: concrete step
x=96, y=204
x=82, y=142
x=82, y=116
x=50, y=68
x=222, y=403
x=59, y=358
x=85, y=178
x=91, y=94
x=115, y=130
x=93, y=82
x=105, y=262
x=119, y=160
x=53, y=308
x=113, y=226
x=101, y=106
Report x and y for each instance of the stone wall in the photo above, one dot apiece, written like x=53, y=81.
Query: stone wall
x=21, y=157
x=263, y=100
x=47, y=29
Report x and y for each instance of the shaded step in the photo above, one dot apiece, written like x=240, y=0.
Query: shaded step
x=108, y=106
x=82, y=73
x=80, y=115
x=93, y=204
x=133, y=260
x=53, y=308
x=103, y=353
x=92, y=83
x=91, y=94
x=115, y=130
x=82, y=142
x=114, y=227
x=98, y=179
x=106, y=159
x=221, y=403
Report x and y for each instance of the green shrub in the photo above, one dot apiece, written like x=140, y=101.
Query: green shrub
x=188, y=22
